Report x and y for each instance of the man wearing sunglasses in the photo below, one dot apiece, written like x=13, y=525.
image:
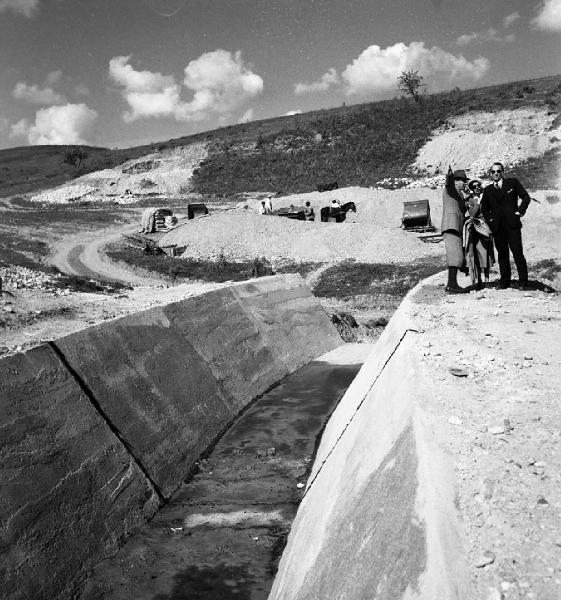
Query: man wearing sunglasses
x=503, y=202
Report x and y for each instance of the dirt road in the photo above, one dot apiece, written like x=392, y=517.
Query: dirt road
x=83, y=255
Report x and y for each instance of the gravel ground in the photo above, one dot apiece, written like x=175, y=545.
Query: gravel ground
x=372, y=234
x=500, y=424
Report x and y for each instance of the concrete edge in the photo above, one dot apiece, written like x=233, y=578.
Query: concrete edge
x=354, y=442
x=399, y=325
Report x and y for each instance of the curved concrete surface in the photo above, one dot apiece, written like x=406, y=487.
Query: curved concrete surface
x=221, y=534
x=100, y=427
x=378, y=519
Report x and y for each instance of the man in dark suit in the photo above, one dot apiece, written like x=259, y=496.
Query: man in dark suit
x=503, y=203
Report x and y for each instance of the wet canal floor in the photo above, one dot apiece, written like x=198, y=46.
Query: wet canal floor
x=221, y=535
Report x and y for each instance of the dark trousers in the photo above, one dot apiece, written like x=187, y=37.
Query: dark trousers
x=505, y=239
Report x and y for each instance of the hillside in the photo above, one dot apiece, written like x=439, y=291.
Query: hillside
x=32, y=168
x=355, y=145
x=360, y=145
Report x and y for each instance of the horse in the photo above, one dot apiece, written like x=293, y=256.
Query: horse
x=339, y=214
x=326, y=187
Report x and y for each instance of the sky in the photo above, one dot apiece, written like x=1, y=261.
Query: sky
x=119, y=73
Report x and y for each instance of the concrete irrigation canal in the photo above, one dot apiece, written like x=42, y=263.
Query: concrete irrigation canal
x=167, y=455
x=222, y=533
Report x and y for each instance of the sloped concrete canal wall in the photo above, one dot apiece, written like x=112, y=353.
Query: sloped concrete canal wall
x=100, y=427
x=378, y=519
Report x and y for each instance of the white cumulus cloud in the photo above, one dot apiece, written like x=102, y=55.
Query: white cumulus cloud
x=326, y=81
x=489, y=35
x=66, y=124
x=24, y=7
x=20, y=129
x=549, y=16
x=219, y=82
x=376, y=69
x=36, y=94
x=509, y=20
x=148, y=94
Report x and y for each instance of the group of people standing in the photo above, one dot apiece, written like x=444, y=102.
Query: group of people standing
x=474, y=218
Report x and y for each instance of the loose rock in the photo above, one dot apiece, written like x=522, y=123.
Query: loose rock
x=487, y=558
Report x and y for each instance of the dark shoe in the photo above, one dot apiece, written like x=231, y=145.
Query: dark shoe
x=480, y=286
x=523, y=287
x=503, y=285
x=456, y=289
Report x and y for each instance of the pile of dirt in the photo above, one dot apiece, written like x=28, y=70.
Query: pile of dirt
x=67, y=194
x=372, y=234
x=475, y=140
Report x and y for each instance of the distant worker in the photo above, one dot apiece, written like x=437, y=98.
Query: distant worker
x=269, y=204
x=263, y=208
x=309, y=212
x=453, y=215
x=334, y=208
x=499, y=205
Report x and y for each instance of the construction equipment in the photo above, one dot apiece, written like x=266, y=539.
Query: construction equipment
x=416, y=216
x=196, y=209
x=154, y=219
x=292, y=212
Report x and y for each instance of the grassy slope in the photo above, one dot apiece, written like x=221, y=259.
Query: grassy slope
x=359, y=145
x=33, y=168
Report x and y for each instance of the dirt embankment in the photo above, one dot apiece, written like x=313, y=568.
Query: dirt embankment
x=475, y=140
x=157, y=175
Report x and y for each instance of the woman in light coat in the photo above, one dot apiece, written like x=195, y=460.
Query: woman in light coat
x=453, y=215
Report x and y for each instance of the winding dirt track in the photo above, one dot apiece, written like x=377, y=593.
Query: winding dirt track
x=83, y=255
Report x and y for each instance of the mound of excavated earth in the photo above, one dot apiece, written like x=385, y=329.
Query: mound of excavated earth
x=372, y=234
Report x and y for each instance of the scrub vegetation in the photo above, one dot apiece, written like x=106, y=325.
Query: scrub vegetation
x=355, y=145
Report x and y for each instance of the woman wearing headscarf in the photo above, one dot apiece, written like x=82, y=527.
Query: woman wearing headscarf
x=478, y=241
x=453, y=216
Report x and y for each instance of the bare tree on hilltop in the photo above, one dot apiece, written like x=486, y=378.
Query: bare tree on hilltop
x=410, y=82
